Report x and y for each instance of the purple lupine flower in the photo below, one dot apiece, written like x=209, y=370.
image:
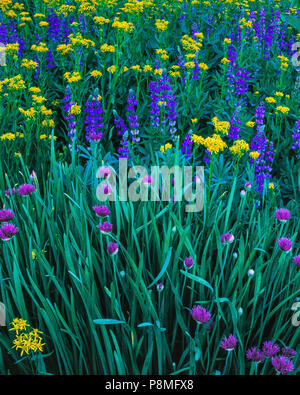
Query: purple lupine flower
x=200, y=314
x=234, y=129
x=26, y=189
x=160, y=287
x=283, y=214
x=187, y=146
x=285, y=244
x=70, y=118
x=282, y=364
x=296, y=137
x=229, y=343
x=10, y=192
x=270, y=349
x=106, y=227
x=189, y=262
x=132, y=117
x=155, y=89
x=7, y=231
x=227, y=238
x=112, y=248
x=101, y=211
x=296, y=260
x=93, y=120
x=6, y=215
x=123, y=149
x=288, y=352
x=254, y=354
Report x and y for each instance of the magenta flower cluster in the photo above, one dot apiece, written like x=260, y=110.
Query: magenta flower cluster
x=7, y=230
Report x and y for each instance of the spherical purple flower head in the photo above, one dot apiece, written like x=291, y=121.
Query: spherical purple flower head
x=288, y=352
x=6, y=215
x=104, y=171
x=10, y=192
x=229, y=343
x=283, y=214
x=7, y=231
x=26, y=189
x=147, y=180
x=189, y=262
x=248, y=185
x=112, y=248
x=200, y=314
x=101, y=211
x=270, y=349
x=255, y=355
x=227, y=238
x=282, y=364
x=106, y=189
x=160, y=287
x=296, y=260
x=285, y=244
x=106, y=227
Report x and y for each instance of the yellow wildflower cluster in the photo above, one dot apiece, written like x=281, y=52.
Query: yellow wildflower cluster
x=26, y=341
x=227, y=41
x=78, y=40
x=75, y=109
x=250, y=124
x=30, y=113
x=64, y=48
x=72, y=77
x=12, y=49
x=161, y=25
x=254, y=154
x=41, y=48
x=66, y=9
x=214, y=144
x=15, y=83
x=133, y=7
x=147, y=68
x=112, y=69
x=11, y=136
x=283, y=62
x=107, y=48
x=270, y=100
x=95, y=73
x=225, y=61
x=244, y=23
x=239, y=148
x=86, y=9
x=190, y=44
x=162, y=53
x=199, y=140
x=127, y=27
x=100, y=20
x=38, y=99
x=221, y=126
x=190, y=65
x=203, y=66
x=282, y=109
x=29, y=64
x=165, y=147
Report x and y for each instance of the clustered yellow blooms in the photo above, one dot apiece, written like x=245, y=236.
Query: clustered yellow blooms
x=161, y=25
x=100, y=20
x=147, y=68
x=112, y=69
x=280, y=94
x=64, y=49
x=213, y=144
x=86, y=9
x=162, y=53
x=283, y=62
x=12, y=49
x=227, y=41
x=75, y=109
x=239, y=148
x=26, y=341
x=225, y=61
x=271, y=186
x=107, y=48
x=270, y=100
x=126, y=27
x=72, y=77
x=41, y=48
x=254, y=154
x=244, y=23
x=250, y=124
x=66, y=9
x=96, y=73
x=221, y=126
x=136, y=67
x=135, y=6
x=78, y=40
x=30, y=113
x=165, y=147
x=14, y=84
x=191, y=45
x=29, y=64
x=38, y=99
x=11, y=136
x=176, y=73
x=282, y=109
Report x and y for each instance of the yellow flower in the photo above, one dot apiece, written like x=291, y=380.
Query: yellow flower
x=100, y=20
x=203, y=66
x=279, y=94
x=95, y=73
x=270, y=99
x=221, y=126
x=43, y=23
x=74, y=77
x=147, y=68
x=271, y=186
x=254, y=155
x=227, y=41
x=165, y=147
x=282, y=109
x=107, y=48
x=225, y=61
x=194, y=120
x=75, y=109
x=41, y=48
x=111, y=69
x=239, y=147
x=161, y=25
x=250, y=124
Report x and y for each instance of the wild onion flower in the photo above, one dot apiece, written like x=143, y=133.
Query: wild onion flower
x=10, y=192
x=7, y=231
x=282, y=364
x=101, y=211
x=283, y=215
x=227, y=238
x=248, y=186
x=160, y=287
x=147, y=180
x=270, y=349
x=288, y=352
x=112, y=248
x=254, y=354
x=26, y=189
x=189, y=262
x=296, y=260
x=285, y=244
x=6, y=215
x=229, y=343
x=251, y=272
x=200, y=314
x=104, y=172
x=105, y=228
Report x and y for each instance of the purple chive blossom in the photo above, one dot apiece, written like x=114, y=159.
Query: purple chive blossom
x=270, y=349
x=282, y=364
x=229, y=343
x=132, y=117
x=227, y=238
x=147, y=180
x=248, y=186
x=296, y=260
x=10, y=192
x=6, y=215
x=200, y=314
x=283, y=214
x=7, y=231
x=189, y=262
x=93, y=119
x=26, y=189
x=106, y=227
x=160, y=287
x=104, y=172
x=285, y=244
x=101, y=211
x=254, y=354
x=112, y=248
x=288, y=352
